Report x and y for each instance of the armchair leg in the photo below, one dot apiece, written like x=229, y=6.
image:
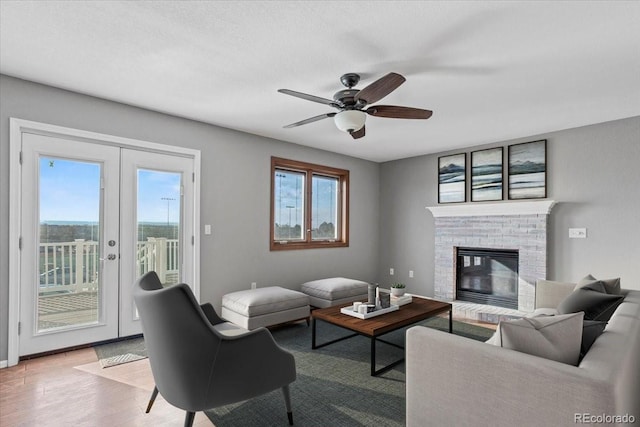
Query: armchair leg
x=287, y=403
x=188, y=419
x=152, y=399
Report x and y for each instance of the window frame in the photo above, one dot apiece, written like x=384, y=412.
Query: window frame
x=310, y=169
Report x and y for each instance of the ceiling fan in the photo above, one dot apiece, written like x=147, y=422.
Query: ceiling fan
x=351, y=104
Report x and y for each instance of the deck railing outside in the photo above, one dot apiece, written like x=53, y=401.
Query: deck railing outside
x=74, y=266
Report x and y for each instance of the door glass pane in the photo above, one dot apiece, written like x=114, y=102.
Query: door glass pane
x=69, y=236
x=289, y=205
x=324, y=211
x=159, y=210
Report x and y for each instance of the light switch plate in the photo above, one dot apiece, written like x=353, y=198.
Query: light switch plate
x=577, y=233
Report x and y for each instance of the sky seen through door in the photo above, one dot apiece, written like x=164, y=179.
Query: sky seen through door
x=68, y=193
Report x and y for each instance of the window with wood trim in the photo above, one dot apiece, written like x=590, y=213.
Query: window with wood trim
x=309, y=205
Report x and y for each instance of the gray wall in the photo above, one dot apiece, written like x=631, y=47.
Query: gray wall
x=593, y=174
x=235, y=192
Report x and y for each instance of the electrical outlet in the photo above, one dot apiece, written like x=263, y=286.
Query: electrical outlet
x=411, y=273
x=207, y=229
x=577, y=233
x=253, y=285
x=391, y=271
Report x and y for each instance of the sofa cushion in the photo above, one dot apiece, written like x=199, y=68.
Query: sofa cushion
x=596, y=305
x=552, y=337
x=611, y=286
x=335, y=288
x=256, y=302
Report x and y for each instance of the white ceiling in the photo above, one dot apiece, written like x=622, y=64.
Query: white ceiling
x=490, y=71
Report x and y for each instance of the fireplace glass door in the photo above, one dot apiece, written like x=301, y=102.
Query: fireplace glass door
x=487, y=276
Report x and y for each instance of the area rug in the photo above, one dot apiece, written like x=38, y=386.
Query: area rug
x=119, y=352
x=334, y=386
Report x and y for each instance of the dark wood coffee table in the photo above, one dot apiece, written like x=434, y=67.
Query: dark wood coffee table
x=408, y=314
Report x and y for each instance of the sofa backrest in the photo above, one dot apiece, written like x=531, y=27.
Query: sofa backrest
x=549, y=293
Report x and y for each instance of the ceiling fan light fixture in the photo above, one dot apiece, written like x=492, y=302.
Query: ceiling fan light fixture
x=350, y=120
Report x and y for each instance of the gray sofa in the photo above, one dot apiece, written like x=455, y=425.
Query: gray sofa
x=455, y=381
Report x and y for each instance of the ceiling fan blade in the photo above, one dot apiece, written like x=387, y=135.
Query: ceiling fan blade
x=310, y=97
x=310, y=120
x=396, y=112
x=358, y=133
x=380, y=88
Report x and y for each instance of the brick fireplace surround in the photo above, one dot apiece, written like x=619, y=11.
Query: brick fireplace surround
x=508, y=225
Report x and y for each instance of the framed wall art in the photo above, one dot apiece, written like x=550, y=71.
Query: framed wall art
x=528, y=170
x=452, y=182
x=486, y=174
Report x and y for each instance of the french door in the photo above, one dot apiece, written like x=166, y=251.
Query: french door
x=156, y=225
x=94, y=218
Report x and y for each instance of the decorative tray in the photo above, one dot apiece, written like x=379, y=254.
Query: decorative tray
x=405, y=299
x=349, y=311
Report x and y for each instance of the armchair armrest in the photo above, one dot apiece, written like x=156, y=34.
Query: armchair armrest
x=254, y=360
x=211, y=314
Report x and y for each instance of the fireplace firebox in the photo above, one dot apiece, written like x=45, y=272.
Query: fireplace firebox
x=487, y=276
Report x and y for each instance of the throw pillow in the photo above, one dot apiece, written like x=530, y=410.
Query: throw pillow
x=544, y=311
x=594, y=285
x=552, y=337
x=495, y=338
x=591, y=329
x=540, y=312
x=611, y=286
x=596, y=305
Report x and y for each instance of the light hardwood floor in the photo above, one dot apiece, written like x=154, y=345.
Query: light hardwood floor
x=72, y=389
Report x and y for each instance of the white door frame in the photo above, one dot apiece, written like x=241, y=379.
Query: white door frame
x=20, y=126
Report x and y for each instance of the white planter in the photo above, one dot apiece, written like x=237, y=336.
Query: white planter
x=397, y=292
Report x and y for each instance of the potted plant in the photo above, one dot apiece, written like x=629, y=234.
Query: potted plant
x=397, y=289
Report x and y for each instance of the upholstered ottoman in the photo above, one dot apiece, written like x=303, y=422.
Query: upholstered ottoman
x=335, y=290
x=268, y=306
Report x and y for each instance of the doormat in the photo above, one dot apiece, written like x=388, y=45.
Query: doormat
x=119, y=352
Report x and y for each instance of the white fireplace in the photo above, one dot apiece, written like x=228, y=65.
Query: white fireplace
x=518, y=226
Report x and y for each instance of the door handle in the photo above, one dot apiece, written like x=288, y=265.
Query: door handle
x=110, y=257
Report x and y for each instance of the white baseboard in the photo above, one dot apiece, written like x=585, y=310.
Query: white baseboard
x=4, y=364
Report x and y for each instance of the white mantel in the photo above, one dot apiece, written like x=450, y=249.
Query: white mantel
x=537, y=207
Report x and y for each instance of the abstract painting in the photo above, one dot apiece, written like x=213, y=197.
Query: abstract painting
x=452, y=184
x=528, y=170
x=486, y=174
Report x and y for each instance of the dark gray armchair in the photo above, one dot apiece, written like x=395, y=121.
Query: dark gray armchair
x=194, y=366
